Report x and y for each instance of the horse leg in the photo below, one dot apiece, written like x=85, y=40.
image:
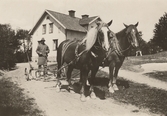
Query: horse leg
x=84, y=76
x=58, y=83
x=69, y=71
x=111, y=69
x=115, y=87
x=117, y=67
x=93, y=74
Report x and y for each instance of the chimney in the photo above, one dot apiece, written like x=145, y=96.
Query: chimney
x=85, y=16
x=72, y=13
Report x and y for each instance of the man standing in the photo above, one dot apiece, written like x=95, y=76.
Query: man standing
x=42, y=51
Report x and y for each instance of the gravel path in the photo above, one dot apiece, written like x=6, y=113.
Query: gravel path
x=65, y=103
x=140, y=78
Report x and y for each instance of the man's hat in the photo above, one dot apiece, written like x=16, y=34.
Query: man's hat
x=42, y=39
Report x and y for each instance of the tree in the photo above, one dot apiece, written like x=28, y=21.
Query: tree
x=8, y=46
x=24, y=52
x=143, y=46
x=160, y=34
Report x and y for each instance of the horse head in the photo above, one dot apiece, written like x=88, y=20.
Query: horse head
x=132, y=34
x=103, y=29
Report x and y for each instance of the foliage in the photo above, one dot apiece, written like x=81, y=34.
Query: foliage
x=144, y=47
x=159, y=40
x=24, y=52
x=12, y=46
x=13, y=102
x=8, y=46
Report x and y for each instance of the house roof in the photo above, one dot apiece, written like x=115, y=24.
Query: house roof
x=87, y=21
x=66, y=21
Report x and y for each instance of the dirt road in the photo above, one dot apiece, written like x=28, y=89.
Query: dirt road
x=65, y=103
x=140, y=78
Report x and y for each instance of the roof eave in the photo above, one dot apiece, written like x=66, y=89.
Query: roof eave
x=77, y=30
x=55, y=19
x=94, y=20
x=33, y=29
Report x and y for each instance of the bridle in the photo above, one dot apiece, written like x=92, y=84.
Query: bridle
x=100, y=44
x=116, y=45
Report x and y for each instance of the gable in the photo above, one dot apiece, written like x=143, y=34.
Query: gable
x=66, y=21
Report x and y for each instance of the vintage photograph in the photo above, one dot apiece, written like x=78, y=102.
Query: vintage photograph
x=83, y=58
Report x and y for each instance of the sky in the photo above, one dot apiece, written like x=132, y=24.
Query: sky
x=24, y=14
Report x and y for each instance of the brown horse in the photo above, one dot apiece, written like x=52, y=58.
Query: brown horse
x=79, y=55
x=120, y=46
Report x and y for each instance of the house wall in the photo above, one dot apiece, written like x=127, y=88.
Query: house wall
x=75, y=35
x=58, y=33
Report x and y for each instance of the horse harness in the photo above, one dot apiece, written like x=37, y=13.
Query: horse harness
x=114, y=47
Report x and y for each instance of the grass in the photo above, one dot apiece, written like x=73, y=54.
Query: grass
x=143, y=97
x=13, y=102
x=139, y=95
x=160, y=75
x=131, y=62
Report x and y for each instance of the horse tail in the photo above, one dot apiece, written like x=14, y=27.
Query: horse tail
x=59, y=55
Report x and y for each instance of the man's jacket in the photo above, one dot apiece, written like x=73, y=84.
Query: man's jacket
x=42, y=50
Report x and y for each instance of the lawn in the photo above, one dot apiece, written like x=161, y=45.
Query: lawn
x=140, y=95
x=132, y=61
x=14, y=103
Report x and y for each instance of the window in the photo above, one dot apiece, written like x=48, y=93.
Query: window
x=55, y=44
x=51, y=28
x=44, y=29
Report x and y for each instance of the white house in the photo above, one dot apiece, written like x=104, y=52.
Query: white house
x=56, y=27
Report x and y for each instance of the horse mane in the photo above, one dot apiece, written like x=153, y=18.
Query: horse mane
x=90, y=38
x=121, y=33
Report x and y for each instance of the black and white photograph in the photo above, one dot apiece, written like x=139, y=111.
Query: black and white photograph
x=83, y=58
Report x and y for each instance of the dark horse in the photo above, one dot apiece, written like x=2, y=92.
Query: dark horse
x=120, y=46
x=78, y=56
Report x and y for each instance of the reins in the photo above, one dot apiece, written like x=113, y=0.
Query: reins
x=118, y=48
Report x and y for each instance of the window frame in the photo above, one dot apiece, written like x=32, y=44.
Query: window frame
x=50, y=27
x=55, y=44
x=44, y=29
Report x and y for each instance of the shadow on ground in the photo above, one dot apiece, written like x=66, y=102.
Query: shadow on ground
x=100, y=87
x=160, y=75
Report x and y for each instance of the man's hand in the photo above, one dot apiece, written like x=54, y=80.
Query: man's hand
x=47, y=52
x=39, y=53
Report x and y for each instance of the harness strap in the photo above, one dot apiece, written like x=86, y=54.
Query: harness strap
x=65, y=46
x=76, y=51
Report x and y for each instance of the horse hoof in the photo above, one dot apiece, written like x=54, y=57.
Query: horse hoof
x=88, y=98
x=115, y=87
x=57, y=88
x=111, y=90
x=71, y=91
x=83, y=98
x=92, y=95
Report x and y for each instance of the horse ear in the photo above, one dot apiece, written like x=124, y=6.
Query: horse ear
x=136, y=24
x=125, y=25
x=109, y=23
x=98, y=23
